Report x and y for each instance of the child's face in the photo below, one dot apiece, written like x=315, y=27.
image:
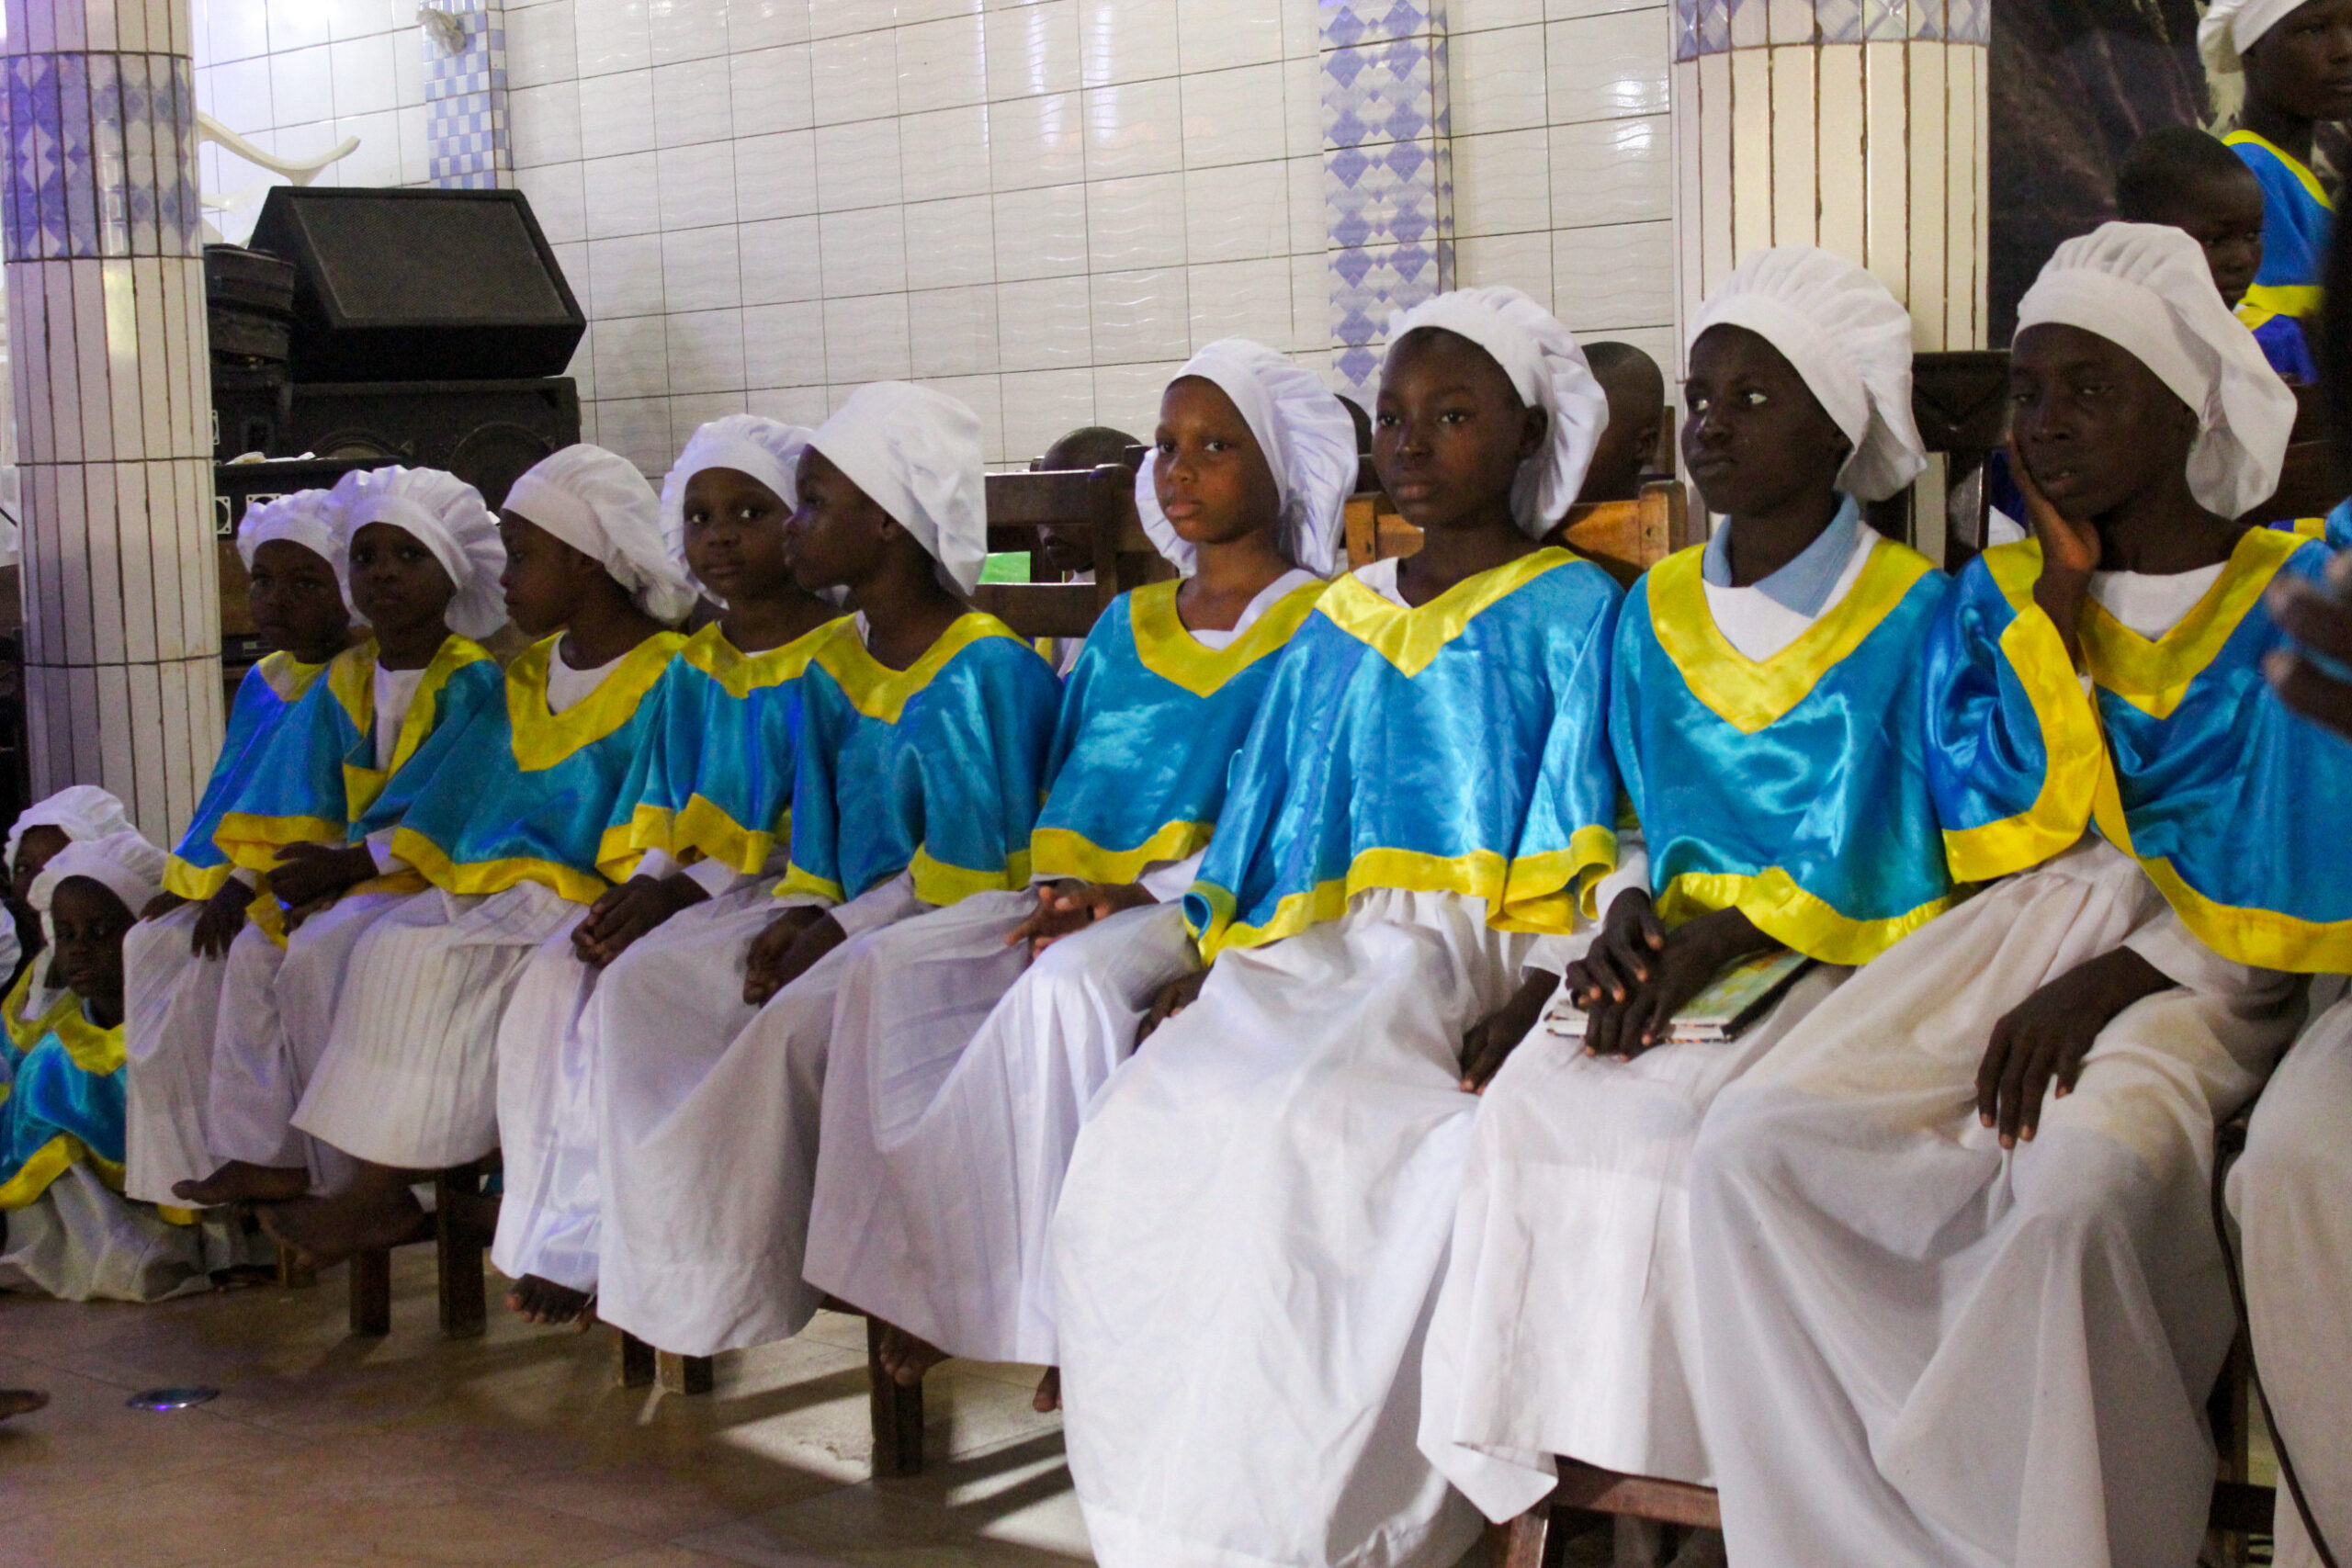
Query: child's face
x=35, y=847
x=2094, y=426
x=1067, y=551
x=2305, y=63
x=297, y=604
x=1615, y=472
x=397, y=584
x=735, y=536
x=838, y=536
x=89, y=923
x=1212, y=480
x=545, y=578
x=1449, y=432
x=2224, y=213
x=1755, y=439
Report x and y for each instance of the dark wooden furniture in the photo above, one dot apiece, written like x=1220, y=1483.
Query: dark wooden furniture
x=1627, y=537
x=459, y=1237
x=1097, y=503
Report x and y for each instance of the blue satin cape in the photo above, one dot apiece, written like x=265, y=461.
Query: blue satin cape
x=67, y=1102
x=265, y=697
x=2295, y=218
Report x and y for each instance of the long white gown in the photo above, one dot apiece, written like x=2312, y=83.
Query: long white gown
x=170, y=999
x=2293, y=1196
x=1249, y=1242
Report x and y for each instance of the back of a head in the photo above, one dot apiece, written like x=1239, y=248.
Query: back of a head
x=1088, y=446
x=2167, y=170
x=1630, y=377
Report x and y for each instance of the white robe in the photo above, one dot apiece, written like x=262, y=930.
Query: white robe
x=1249, y=1241
x=2292, y=1195
x=960, y=1073
x=1920, y=1349
x=171, y=997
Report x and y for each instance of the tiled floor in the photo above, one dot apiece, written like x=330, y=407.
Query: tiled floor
x=517, y=1448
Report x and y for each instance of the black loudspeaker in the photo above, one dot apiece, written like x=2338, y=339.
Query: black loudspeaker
x=396, y=284
x=486, y=432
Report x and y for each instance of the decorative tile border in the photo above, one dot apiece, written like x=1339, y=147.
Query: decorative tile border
x=101, y=156
x=1716, y=26
x=465, y=100
x=1387, y=172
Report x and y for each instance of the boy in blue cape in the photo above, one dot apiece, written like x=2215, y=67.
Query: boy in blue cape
x=2296, y=58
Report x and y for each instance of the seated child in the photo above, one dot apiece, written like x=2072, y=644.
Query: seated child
x=77, y=813
x=1636, y=392
x=173, y=960
x=1965, y=1301
x=2291, y=56
x=1069, y=554
x=920, y=766
x=2184, y=177
x=517, y=838
x=1765, y=715
x=714, y=815
x=967, y=1043
x=425, y=563
x=1256, y=1213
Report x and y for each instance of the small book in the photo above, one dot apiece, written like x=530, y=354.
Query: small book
x=1732, y=1000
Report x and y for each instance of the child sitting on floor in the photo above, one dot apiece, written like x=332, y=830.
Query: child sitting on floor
x=77, y=813
x=2184, y=177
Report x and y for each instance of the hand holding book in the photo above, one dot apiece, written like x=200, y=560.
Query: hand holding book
x=1628, y=993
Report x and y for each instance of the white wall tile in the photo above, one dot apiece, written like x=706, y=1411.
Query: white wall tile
x=863, y=252
x=1235, y=32
x=1612, y=171
x=775, y=176
x=1126, y=397
x=1033, y=49
x=616, y=114
x=769, y=90
x=1560, y=10
x=857, y=165
x=779, y=259
x=623, y=196
x=625, y=277
x=632, y=356
x=855, y=77
x=984, y=395
x=1618, y=277
x=866, y=339
x=1043, y=326
x=1228, y=116
x=1465, y=17
x=1244, y=298
x=952, y=331
x=1238, y=213
x=951, y=243
x=829, y=18
x=611, y=35
x=1135, y=223
x=1303, y=107
x=296, y=24
x=414, y=157
x=794, y=405
x=1141, y=315
x=687, y=29
x=408, y=71
x=301, y=86
x=1605, y=66
x=1036, y=141
x=639, y=429
x=760, y=24
x=1042, y=406
x=943, y=154
x=693, y=410
x=706, y=351
x=541, y=45
x=363, y=75
x=784, y=345
x=241, y=95
x=1496, y=80
x=691, y=103
x=543, y=124
x=1137, y=128
x=699, y=270
x=559, y=201
x=377, y=160
x=1126, y=41
x=1502, y=183
x=1040, y=233
x=1521, y=261
x=942, y=64
x=237, y=30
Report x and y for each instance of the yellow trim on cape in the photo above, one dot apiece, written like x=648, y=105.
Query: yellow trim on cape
x=482, y=877
x=2253, y=316
x=2075, y=744
x=712, y=833
x=937, y=883
x=256, y=840
x=1058, y=851
x=93, y=1050
x=1793, y=917
x=740, y=674
x=2297, y=299
x=26, y=1032
x=1409, y=639
x=1170, y=650
x=544, y=738
x=798, y=882
x=49, y=1162
x=2153, y=676
x=1752, y=694
x=2295, y=166
x=287, y=675
x=362, y=785
x=194, y=883
x=878, y=691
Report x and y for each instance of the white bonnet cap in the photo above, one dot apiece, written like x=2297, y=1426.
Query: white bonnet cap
x=1850, y=341
x=304, y=518
x=2146, y=289
x=126, y=864
x=766, y=449
x=81, y=811
x=448, y=516
x=2233, y=27
x=598, y=503
x=1548, y=371
x=1308, y=440
x=916, y=454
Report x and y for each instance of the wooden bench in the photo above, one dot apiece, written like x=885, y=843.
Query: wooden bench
x=460, y=1237
x=1627, y=537
x=1098, y=503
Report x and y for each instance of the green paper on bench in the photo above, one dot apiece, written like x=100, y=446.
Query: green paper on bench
x=1006, y=566
x=1732, y=999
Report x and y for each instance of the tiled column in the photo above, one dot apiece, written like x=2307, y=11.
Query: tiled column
x=106, y=338
x=1855, y=124
x=1388, y=174
x=465, y=100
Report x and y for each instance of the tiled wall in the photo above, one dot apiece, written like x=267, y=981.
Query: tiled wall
x=1043, y=208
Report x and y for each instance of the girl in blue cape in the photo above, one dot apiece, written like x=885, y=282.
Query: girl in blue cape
x=74, y=814
x=1766, y=719
x=967, y=1044
x=2296, y=58
x=1954, y=1233
x=1256, y=1213
x=714, y=815
x=525, y=828
x=920, y=766
x=219, y=1093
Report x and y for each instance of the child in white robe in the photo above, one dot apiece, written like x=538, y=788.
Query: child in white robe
x=1256, y=1214
x=1964, y=1302
x=74, y=813
x=968, y=1042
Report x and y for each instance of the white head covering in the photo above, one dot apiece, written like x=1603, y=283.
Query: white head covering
x=1309, y=442
x=2233, y=27
x=916, y=454
x=82, y=811
x=767, y=449
x=2146, y=289
x=598, y=503
x=306, y=518
x=445, y=515
x=1849, y=340
x=126, y=864
x=1548, y=371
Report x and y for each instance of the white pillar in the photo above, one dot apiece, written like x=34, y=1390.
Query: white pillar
x=113, y=394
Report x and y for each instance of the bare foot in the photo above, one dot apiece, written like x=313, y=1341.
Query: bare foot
x=1048, y=1397
x=325, y=1231
x=21, y=1402
x=543, y=1301
x=238, y=1182
x=906, y=1357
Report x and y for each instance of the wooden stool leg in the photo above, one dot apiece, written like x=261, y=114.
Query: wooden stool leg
x=1525, y=1542
x=683, y=1374
x=897, y=1413
x=465, y=1301
x=371, y=1292
x=293, y=1274
x=636, y=1361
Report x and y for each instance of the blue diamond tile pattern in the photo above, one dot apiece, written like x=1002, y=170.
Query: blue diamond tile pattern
x=102, y=156
x=465, y=102
x=1703, y=27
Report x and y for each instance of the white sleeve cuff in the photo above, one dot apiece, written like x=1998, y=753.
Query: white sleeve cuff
x=1633, y=871
x=879, y=905
x=657, y=865
x=715, y=877
x=2175, y=953
x=1171, y=879
x=243, y=878
x=380, y=849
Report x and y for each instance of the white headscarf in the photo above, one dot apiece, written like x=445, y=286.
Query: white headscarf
x=2233, y=27
x=766, y=449
x=2146, y=289
x=916, y=454
x=82, y=811
x=1309, y=442
x=126, y=864
x=445, y=515
x=1851, y=342
x=598, y=503
x=306, y=518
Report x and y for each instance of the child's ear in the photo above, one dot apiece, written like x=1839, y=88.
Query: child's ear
x=1535, y=429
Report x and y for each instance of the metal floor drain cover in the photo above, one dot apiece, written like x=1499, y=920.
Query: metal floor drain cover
x=173, y=1398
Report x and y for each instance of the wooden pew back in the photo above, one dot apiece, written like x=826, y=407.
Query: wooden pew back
x=1098, y=503
x=1627, y=537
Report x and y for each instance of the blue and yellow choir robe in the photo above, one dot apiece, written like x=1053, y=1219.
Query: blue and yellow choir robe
x=1257, y=1212
x=2296, y=218
x=268, y=694
x=2282, y=341
x=63, y=1102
